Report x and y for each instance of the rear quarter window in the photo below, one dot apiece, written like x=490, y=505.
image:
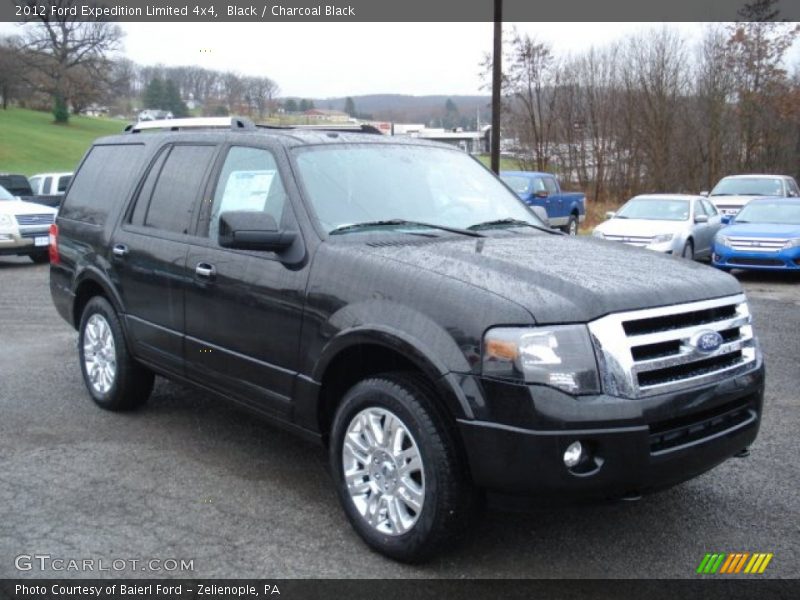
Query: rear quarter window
x=104, y=181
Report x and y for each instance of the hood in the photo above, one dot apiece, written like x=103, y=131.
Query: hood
x=766, y=230
x=643, y=227
x=20, y=207
x=561, y=279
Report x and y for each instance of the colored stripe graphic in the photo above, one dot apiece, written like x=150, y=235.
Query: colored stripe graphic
x=728, y=564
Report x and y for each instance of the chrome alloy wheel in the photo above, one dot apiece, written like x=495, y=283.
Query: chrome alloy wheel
x=383, y=471
x=99, y=353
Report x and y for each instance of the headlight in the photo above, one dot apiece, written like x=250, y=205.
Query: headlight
x=723, y=240
x=795, y=243
x=561, y=356
x=598, y=234
x=5, y=221
x=660, y=239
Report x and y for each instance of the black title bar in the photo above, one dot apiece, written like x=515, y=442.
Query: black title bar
x=390, y=10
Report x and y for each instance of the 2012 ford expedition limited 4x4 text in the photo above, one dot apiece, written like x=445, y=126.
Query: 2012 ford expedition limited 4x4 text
x=396, y=301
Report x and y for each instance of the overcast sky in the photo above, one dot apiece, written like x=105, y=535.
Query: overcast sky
x=347, y=59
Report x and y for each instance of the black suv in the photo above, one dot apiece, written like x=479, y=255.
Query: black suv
x=393, y=300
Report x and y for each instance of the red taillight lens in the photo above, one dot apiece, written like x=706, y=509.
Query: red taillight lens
x=53, y=249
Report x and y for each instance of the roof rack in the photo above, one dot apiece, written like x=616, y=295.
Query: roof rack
x=242, y=124
x=233, y=123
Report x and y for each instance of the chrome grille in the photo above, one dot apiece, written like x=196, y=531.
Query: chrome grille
x=631, y=240
x=654, y=351
x=45, y=219
x=757, y=244
x=729, y=209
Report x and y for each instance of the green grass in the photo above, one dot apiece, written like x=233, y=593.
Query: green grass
x=31, y=143
x=506, y=164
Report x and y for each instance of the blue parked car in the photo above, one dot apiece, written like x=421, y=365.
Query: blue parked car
x=764, y=235
x=565, y=210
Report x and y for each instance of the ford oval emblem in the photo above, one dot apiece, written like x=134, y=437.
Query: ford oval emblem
x=706, y=341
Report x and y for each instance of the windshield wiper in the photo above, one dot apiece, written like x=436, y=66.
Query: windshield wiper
x=400, y=222
x=509, y=222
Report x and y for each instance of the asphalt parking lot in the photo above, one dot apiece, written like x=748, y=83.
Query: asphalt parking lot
x=189, y=478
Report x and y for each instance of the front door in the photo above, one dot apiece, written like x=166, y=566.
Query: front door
x=244, y=308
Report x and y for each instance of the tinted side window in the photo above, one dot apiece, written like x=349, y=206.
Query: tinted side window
x=105, y=178
x=700, y=208
x=146, y=191
x=36, y=184
x=249, y=180
x=63, y=183
x=178, y=188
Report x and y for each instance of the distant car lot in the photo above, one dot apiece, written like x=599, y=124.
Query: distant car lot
x=189, y=478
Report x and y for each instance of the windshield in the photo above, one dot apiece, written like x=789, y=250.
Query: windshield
x=781, y=213
x=4, y=194
x=655, y=209
x=516, y=183
x=375, y=183
x=749, y=186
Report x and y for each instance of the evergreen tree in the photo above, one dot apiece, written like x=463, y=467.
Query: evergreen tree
x=154, y=94
x=350, y=107
x=290, y=105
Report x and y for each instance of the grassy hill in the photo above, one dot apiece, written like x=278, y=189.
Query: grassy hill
x=30, y=143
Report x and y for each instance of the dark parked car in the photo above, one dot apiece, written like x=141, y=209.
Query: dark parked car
x=395, y=301
x=16, y=185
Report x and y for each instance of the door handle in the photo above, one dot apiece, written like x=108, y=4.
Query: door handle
x=205, y=270
x=120, y=250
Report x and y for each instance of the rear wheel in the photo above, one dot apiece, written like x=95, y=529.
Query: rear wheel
x=114, y=379
x=398, y=474
x=571, y=228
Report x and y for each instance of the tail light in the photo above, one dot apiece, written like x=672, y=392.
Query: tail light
x=53, y=248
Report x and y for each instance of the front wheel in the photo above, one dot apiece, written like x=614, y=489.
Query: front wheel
x=688, y=250
x=40, y=257
x=398, y=474
x=114, y=379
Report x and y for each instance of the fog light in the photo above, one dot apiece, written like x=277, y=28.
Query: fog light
x=573, y=454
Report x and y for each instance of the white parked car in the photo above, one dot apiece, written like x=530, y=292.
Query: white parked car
x=733, y=192
x=669, y=223
x=50, y=184
x=25, y=227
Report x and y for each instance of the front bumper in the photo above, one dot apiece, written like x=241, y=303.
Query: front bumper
x=21, y=242
x=635, y=446
x=728, y=258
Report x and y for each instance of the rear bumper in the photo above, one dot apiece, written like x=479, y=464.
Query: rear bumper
x=677, y=437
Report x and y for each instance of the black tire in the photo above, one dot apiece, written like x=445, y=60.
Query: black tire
x=571, y=228
x=450, y=500
x=688, y=250
x=40, y=257
x=132, y=383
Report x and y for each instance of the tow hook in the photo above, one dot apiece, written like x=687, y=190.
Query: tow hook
x=743, y=453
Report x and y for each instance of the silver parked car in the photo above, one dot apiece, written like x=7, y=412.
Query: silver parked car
x=732, y=193
x=669, y=223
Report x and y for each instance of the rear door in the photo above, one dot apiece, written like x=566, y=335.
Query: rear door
x=148, y=251
x=244, y=308
x=555, y=203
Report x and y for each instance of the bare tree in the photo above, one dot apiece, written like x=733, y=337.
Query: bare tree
x=57, y=46
x=10, y=70
x=260, y=93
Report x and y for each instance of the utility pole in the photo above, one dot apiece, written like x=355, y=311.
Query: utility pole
x=497, y=70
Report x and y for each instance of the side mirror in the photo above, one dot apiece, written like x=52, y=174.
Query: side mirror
x=542, y=214
x=704, y=193
x=252, y=230
x=701, y=218
x=610, y=214
x=541, y=194
x=727, y=219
